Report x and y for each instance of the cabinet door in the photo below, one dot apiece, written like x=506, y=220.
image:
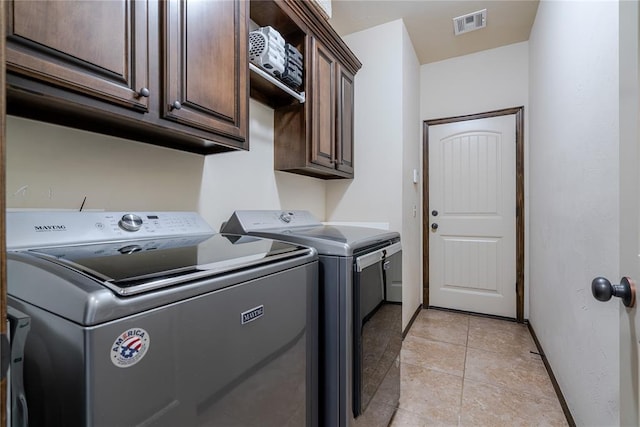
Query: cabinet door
x=344, y=122
x=323, y=104
x=97, y=48
x=206, y=65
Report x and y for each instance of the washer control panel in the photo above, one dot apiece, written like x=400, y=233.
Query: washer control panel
x=38, y=229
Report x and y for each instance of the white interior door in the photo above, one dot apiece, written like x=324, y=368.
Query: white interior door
x=472, y=215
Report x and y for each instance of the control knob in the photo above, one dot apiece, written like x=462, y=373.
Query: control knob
x=130, y=222
x=286, y=217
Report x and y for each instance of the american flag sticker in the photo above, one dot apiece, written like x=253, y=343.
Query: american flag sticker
x=130, y=347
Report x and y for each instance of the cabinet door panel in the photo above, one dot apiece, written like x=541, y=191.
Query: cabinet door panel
x=206, y=65
x=98, y=48
x=344, y=142
x=323, y=106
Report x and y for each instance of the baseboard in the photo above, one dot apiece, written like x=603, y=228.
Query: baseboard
x=413, y=319
x=556, y=386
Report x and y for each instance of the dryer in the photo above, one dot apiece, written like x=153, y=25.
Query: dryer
x=360, y=311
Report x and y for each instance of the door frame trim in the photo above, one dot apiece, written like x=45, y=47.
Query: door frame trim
x=520, y=227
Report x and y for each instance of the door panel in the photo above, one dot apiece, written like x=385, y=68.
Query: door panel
x=83, y=17
x=323, y=101
x=210, y=65
x=472, y=199
x=472, y=169
x=98, y=48
x=344, y=142
x=471, y=264
x=206, y=83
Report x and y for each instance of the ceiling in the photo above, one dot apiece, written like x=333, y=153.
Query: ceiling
x=430, y=23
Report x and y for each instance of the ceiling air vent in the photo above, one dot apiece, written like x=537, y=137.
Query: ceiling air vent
x=470, y=21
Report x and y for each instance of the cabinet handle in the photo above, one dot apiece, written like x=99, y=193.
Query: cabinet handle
x=144, y=92
x=176, y=105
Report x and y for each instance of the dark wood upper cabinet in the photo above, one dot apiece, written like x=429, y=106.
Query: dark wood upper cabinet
x=314, y=138
x=98, y=48
x=206, y=65
x=171, y=73
x=175, y=73
x=344, y=122
x=323, y=106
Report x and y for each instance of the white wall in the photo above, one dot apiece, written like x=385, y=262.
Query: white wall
x=246, y=179
x=411, y=192
x=54, y=167
x=374, y=193
x=574, y=199
x=386, y=133
x=485, y=81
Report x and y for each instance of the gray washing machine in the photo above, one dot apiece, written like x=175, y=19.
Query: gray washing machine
x=360, y=311
x=152, y=319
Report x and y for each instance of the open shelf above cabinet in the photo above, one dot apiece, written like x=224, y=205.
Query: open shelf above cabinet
x=263, y=86
x=314, y=138
x=271, y=91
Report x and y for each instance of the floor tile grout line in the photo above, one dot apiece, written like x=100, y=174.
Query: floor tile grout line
x=511, y=390
x=464, y=377
x=458, y=344
x=530, y=365
x=526, y=351
x=468, y=330
x=415, y=414
x=525, y=354
x=521, y=356
x=464, y=372
x=437, y=341
x=432, y=369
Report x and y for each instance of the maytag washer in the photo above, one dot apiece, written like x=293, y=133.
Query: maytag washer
x=360, y=311
x=145, y=318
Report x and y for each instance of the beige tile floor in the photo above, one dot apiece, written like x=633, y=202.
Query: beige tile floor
x=465, y=370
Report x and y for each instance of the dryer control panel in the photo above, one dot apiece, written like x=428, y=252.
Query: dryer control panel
x=242, y=222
